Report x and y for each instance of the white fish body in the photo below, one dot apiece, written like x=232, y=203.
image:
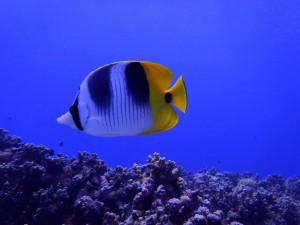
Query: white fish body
x=119, y=100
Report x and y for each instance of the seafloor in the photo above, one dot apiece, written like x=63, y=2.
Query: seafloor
x=38, y=187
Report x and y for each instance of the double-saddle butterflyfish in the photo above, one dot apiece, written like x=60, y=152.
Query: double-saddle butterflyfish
x=127, y=98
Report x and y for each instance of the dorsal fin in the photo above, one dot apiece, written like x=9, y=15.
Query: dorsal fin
x=158, y=75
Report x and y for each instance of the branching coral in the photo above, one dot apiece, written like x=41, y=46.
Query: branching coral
x=38, y=187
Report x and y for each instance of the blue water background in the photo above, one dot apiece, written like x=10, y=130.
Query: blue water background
x=240, y=61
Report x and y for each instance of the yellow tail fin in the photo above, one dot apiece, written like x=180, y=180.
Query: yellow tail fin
x=179, y=95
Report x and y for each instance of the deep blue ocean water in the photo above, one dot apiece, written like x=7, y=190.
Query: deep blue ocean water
x=240, y=61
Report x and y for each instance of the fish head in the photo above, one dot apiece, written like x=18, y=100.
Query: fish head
x=76, y=117
x=67, y=119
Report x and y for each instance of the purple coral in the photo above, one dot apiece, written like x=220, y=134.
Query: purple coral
x=37, y=187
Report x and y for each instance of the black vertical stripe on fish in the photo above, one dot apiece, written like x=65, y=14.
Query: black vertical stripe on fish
x=137, y=83
x=99, y=86
x=75, y=114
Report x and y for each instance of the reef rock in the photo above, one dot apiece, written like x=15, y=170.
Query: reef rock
x=38, y=187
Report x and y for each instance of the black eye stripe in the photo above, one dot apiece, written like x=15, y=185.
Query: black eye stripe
x=75, y=114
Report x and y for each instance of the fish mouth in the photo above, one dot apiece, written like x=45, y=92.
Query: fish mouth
x=66, y=119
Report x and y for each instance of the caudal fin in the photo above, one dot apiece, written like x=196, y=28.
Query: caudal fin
x=178, y=95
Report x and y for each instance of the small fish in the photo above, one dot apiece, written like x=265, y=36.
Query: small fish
x=60, y=143
x=127, y=98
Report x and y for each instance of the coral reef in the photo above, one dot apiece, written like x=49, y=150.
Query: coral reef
x=38, y=187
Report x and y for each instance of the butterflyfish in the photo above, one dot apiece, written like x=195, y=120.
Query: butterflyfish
x=127, y=98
